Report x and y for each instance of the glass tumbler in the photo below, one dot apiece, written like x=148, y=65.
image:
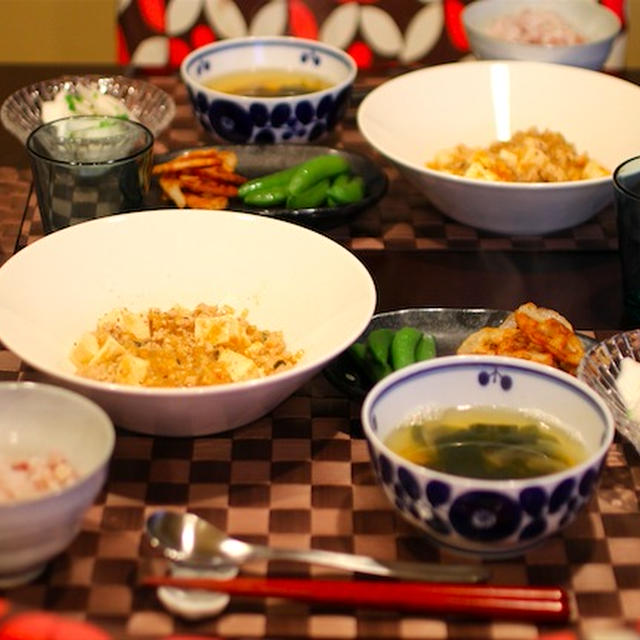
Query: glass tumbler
x=87, y=167
x=626, y=181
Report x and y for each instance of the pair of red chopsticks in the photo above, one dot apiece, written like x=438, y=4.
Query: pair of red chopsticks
x=544, y=604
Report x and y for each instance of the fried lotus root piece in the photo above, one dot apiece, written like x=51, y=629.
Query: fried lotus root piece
x=532, y=333
x=221, y=174
x=195, y=201
x=184, y=163
x=200, y=178
x=484, y=341
x=205, y=187
x=551, y=331
x=171, y=187
x=504, y=341
x=199, y=158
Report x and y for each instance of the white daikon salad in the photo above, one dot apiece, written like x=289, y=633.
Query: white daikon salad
x=83, y=100
x=628, y=385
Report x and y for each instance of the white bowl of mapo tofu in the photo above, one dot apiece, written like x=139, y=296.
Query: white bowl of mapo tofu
x=512, y=147
x=183, y=324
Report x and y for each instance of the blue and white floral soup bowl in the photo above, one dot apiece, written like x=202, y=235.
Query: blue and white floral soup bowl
x=240, y=119
x=487, y=518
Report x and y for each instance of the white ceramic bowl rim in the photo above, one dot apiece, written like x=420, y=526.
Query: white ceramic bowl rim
x=614, y=27
x=76, y=398
x=560, y=377
x=286, y=41
x=211, y=390
x=488, y=184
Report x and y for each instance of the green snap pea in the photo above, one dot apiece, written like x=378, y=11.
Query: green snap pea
x=346, y=188
x=379, y=343
x=403, y=347
x=365, y=361
x=315, y=170
x=269, y=181
x=386, y=350
x=340, y=180
x=267, y=197
x=376, y=370
x=312, y=197
x=358, y=351
x=426, y=347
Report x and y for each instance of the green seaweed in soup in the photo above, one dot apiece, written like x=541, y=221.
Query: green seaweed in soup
x=268, y=83
x=487, y=442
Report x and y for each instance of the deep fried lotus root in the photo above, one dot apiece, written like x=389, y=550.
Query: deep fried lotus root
x=551, y=331
x=504, y=341
x=531, y=333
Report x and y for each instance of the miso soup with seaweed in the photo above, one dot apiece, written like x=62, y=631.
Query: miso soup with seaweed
x=268, y=83
x=494, y=443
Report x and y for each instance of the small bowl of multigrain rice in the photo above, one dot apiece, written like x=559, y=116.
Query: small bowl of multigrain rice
x=571, y=32
x=54, y=449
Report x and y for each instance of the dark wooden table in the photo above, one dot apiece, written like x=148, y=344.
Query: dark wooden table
x=301, y=476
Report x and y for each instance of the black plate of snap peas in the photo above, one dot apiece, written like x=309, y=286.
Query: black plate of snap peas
x=448, y=327
x=261, y=160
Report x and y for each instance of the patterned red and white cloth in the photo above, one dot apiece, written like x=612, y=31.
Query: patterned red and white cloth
x=160, y=33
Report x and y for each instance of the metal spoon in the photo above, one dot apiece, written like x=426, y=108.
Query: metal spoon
x=188, y=539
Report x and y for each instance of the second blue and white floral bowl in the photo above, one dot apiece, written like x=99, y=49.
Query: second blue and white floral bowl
x=476, y=517
x=265, y=120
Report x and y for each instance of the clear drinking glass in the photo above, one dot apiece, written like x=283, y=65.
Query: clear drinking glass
x=87, y=167
x=626, y=181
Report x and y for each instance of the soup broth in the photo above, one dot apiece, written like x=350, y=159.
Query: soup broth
x=487, y=442
x=268, y=83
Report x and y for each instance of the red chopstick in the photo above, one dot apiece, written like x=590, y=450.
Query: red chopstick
x=549, y=604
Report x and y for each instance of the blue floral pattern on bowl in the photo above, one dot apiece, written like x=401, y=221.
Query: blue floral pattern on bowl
x=484, y=516
x=493, y=519
x=295, y=119
x=308, y=121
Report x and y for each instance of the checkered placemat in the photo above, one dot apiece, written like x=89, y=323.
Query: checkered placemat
x=301, y=477
x=75, y=200
x=15, y=186
x=403, y=219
